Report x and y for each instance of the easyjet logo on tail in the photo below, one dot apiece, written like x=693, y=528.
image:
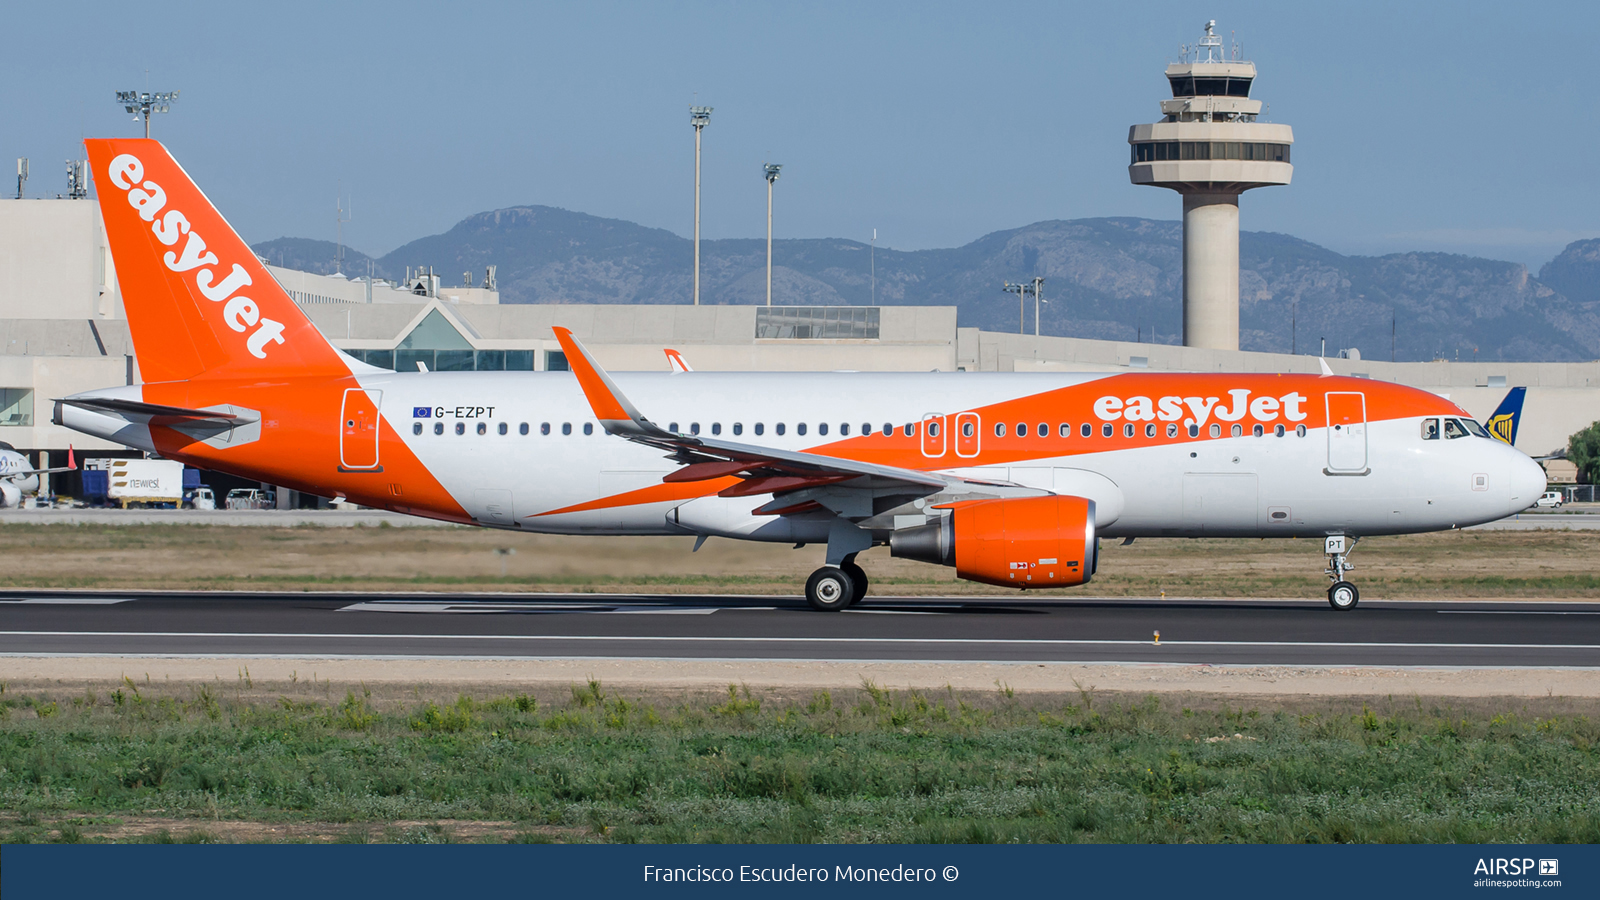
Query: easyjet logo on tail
x=170, y=226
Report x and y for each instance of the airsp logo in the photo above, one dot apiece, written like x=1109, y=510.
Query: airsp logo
x=1524, y=866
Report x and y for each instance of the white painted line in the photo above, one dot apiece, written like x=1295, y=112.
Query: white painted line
x=777, y=640
x=468, y=608
x=64, y=601
x=1512, y=612
x=808, y=660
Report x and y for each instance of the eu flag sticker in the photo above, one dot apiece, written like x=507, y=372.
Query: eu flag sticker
x=421, y=412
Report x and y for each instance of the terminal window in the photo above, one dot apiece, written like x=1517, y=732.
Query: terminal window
x=16, y=406
x=817, y=322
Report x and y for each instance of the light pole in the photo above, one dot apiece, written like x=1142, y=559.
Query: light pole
x=872, y=259
x=144, y=103
x=699, y=117
x=1038, y=284
x=1021, y=290
x=771, y=171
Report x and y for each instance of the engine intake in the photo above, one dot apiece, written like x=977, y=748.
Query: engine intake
x=1022, y=542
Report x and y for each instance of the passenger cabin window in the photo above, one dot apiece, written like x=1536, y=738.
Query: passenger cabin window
x=1216, y=430
x=503, y=428
x=933, y=429
x=716, y=427
x=1066, y=430
x=1107, y=429
x=1237, y=431
x=483, y=427
x=1022, y=429
x=910, y=430
x=1258, y=431
x=1172, y=429
x=1454, y=429
x=588, y=428
x=1278, y=430
x=522, y=429
x=779, y=429
x=1194, y=431
x=800, y=428
x=1087, y=430
x=999, y=429
x=760, y=429
x=738, y=428
x=1150, y=430
x=461, y=428
x=1127, y=430
x=822, y=429
x=967, y=429
x=844, y=429
x=672, y=427
x=566, y=427
x=416, y=428
x=544, y=428
x=1430, y=429
x=1044, y=429
x=694, y=427
x=438, y=428
x=1300, y=431
x=866, y=429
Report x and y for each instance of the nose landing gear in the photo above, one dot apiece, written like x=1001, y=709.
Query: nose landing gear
x=1342, y=595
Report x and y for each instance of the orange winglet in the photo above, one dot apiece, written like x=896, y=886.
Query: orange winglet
x=602, y=395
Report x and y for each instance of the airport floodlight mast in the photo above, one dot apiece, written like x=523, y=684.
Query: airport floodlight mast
x=872, y=261
x=771, y=171
x=22, y=175
x=1210, y=147
x=1038, y=289
x=1021, y=290
x=699, y=117
x=143, y=103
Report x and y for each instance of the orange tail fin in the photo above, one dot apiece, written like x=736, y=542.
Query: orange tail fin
x=199, y=302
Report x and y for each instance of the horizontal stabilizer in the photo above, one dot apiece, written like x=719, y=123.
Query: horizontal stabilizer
x=156, y=410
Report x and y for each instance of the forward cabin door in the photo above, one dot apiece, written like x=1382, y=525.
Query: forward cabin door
x=1347, y=433
x=358, y=430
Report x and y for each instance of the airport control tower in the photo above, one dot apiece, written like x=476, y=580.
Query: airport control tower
x=1209, y=147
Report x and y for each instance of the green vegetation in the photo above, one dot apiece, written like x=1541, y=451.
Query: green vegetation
x=1583, y=448
x=214, y=762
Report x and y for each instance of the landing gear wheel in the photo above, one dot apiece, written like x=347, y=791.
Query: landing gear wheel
x=1343, y=596
x=829, y=589
x=858, y=578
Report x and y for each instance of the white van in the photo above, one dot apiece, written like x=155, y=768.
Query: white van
x=1548, y=500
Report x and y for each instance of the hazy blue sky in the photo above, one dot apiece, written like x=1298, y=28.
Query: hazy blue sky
x=1465, y=127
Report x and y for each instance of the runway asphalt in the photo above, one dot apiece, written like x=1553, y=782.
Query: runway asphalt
x=568, y=626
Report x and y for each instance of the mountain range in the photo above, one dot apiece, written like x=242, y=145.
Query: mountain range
x=1110, y=278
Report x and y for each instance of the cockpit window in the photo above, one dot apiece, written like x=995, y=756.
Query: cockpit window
x=1430, y=429
x=1474, y=429
x=1454, y=429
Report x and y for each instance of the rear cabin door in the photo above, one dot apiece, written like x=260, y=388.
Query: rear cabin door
x=358, y=430
x=1347, y=432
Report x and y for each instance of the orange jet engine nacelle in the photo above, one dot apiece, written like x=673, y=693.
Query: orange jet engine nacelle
x=1021, y=542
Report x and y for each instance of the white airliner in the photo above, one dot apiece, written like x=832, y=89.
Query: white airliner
x=1013, y=479
x=18, y=477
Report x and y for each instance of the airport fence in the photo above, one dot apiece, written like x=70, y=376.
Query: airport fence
x=1579, y=493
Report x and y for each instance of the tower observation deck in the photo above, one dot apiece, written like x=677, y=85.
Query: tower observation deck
x=1209, y=147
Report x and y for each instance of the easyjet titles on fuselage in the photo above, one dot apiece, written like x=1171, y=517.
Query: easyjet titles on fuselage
x=239, y=312
x=1170, y=409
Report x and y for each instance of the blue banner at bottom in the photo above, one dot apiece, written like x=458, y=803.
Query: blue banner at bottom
x=303, y=872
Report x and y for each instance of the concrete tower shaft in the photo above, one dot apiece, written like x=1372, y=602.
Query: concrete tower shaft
x=1210, y=148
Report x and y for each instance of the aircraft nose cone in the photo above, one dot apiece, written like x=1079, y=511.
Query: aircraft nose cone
x=1527, y=481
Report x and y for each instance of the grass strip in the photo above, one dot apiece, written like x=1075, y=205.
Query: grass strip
x=215, y=762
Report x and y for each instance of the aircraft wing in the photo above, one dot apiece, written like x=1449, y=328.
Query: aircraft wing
x=764, y=470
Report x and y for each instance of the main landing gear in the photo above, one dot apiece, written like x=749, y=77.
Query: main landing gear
x=833, y=588
x=1342, y=595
